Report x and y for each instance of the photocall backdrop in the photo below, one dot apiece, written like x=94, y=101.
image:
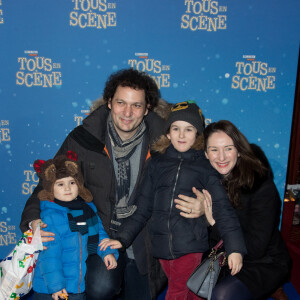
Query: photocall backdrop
x=236, y=59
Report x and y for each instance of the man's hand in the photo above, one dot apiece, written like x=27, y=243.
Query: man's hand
x=190, y=207
x=46, y=236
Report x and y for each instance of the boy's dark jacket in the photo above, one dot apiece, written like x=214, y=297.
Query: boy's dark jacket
x=89, y=141
x=172, y=235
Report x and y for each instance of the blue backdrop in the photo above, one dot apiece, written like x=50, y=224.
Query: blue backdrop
x=237, y=59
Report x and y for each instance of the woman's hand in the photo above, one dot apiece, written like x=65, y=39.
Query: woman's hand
x=45, y=235
x=60, y=295
x=114, y=244
x=110, y=262
x=208, y=207
x=190, y=207
x=235, y=263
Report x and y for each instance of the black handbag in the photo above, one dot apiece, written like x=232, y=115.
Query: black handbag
x=205, y=276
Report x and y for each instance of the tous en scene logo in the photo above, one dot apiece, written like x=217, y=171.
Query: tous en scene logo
x=7, y=234
x=204, y=15
x=78, y=119
x=93, y=13
x=253, y=75
x=4, y=131
x=31, y=181
x=156, y=69
x=37, y=70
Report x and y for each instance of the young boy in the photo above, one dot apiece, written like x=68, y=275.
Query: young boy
x=177, y=241
x=67, y=210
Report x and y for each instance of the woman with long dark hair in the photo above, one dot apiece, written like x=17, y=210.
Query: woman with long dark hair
x=248, y=181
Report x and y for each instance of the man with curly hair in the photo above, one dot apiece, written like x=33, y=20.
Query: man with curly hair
x=113, y=145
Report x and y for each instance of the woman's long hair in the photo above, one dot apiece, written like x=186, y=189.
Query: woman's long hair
x=247, y=167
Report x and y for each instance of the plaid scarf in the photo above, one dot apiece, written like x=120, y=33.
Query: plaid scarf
x=123, y=150
x=83, y=219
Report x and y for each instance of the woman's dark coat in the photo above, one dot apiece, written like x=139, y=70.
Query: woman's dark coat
x=266, y=264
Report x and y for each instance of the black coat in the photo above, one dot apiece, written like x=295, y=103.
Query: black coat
x=89, y=142
x=266, y=264
x=172, y=235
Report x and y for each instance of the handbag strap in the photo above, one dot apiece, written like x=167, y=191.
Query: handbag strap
x=219, y=245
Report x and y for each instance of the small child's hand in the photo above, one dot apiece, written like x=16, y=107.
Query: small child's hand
x=235, y=263
x=60, y=295
x=110, y=261
x=114, y=244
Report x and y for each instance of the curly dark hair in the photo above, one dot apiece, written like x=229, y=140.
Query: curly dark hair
x=136, y=80
x=248, y=166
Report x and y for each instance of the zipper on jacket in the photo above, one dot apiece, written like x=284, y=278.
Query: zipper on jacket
x=80, y=259
x=172, y=200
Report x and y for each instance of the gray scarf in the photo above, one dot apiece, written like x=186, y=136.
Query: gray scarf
x=123, y=150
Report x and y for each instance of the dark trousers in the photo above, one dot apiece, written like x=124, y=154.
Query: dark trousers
x=135, y=285
x=102, y=284
x=39, y=296
x=178, y=271
x=231, y=288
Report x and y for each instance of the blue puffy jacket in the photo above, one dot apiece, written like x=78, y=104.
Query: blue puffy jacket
x=63, y=265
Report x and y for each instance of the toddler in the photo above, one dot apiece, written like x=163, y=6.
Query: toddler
x=67, y=210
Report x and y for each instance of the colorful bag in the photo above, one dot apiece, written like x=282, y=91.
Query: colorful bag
x=17, y=269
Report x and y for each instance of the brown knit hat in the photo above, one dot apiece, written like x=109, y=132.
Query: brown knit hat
x=60, y=167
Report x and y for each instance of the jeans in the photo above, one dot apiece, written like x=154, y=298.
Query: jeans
x=102, y=284
x=39, y=296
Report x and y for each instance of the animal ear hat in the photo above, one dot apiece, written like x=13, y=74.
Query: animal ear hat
x=60, y=167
